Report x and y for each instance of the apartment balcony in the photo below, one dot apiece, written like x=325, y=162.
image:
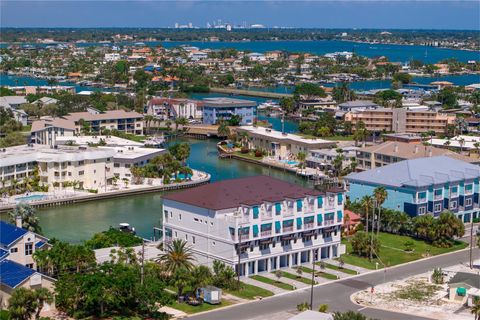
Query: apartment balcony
x=267, y=216
x=289, y=212
x=288, y=229
x=244, y=237
x=309, y=225
x=328, y=222
x=266, y=233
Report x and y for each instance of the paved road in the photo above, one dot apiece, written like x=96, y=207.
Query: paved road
x=337, y=294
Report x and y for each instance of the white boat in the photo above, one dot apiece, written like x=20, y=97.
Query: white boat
x=125, y=227
x=269, y=105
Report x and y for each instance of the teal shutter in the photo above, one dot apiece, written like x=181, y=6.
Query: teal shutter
x=339, y=215
x=299, y=223
x=319, y=218
x=255, y=212
x=278, y=226
x=340, y=198
x=278, y=208
x=319, y=202
x=299, y=205
x=255, y=230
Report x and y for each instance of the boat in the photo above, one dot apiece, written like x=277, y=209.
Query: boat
x=125, y=227
x=269, y=105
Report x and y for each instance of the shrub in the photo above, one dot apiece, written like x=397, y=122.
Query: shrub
x=92, y=190
x=258, y=153
x=409, y=245
x=244, y=150
x=323, y=308
x=304, y=306
x=437, y=276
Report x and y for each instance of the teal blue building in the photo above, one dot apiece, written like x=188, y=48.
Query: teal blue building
x=423, y=186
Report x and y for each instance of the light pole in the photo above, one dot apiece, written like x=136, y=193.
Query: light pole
x=313, y=280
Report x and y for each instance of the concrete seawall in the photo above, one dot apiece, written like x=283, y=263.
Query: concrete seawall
x=110, y=194
x=251, y=93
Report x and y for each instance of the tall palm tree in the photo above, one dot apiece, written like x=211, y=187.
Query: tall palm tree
x=380, y=194
x=42, y=296
x=182, y=121
x=301, y=156
x=177, y=255
x=201, y=276
x=367, y=203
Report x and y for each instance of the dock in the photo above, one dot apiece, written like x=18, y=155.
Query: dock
x=108, y=195
x=251, y=93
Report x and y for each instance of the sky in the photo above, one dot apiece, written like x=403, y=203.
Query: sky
x=400, y=14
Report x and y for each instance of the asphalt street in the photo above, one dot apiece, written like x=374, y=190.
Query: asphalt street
x=337, y=294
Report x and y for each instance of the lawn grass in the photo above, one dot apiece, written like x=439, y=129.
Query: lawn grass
x=340, y=138
x=249, y=292
x=322, y=274
x=281, y=285
x=337, y=268
x=391, y=251
x=250, y=155
x=296, y=277
x=200, y=308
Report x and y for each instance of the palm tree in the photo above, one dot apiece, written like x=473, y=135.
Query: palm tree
x=301, y=156
x=476, y=310
x=43, y=296
x=223, y=129
x=28, y=215
x=367, y=203
x=177, y=255
x=180, y=121
x=201, y=276
x=23, y=304
x=380, y=194
x=148, y=120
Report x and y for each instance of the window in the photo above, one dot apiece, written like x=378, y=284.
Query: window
x=468, y=202
x=453, y=204
x=193, y=239
x=299, y=205
x=186, y=237
x=469, y=188
x=285, y=243
x=213, y=243
x=454, y=191
x=166, y=213
x=176, y=235
x=81, y=173
x=171, y=214
x=116, y=165
x=422, y=210
x=438, y=207
x=28, y=249
x=195, y=219
x=422, y=197
x=29, y=265
x=438, y=193
x=264, y=246
x=127, y=165
x=179, y=216
x=13, y=250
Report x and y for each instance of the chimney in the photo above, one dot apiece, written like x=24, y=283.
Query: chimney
x=416, y=149
x=395, y=147
x=18, y=221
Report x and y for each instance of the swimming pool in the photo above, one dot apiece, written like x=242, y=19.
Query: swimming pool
x=31, y=197
x=290, y=162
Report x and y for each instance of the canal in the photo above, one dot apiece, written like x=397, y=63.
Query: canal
x=80, y=221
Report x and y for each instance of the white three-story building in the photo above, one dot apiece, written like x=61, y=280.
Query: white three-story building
x=270, y=223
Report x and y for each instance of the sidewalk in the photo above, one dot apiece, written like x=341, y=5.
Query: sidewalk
x=296, y=284
x=275, y=290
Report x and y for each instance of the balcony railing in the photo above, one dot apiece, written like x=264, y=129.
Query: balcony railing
x=329, y=222
x=244, y=237
x=267, y=216
x=266, y=233
x=288, y=229
x=309, y=225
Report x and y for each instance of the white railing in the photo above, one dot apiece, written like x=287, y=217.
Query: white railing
x=244, y=237
x=267, y=216
x=266, y=233
x=288, y=229
x=309, y=225
x=329, y=222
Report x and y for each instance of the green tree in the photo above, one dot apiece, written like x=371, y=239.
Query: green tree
x=447, y=226
x=181, y=121
x=288, y=105
x=177, y=255
x=402, y=77
x=23, y=304
x=475, y=310
x=437, y=276
x=364, y=244
x=223, y=129
x=28, y=215
x=448, y=98
x=308, y=91
x=200, y=277
x=181, y=151
x=388, y=98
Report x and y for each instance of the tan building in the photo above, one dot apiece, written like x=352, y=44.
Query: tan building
x=121, y=120
x=281, y=145
x=17, y=266
x=401, y=120
x=91, y=168
x=47, y=130
x=393, y=151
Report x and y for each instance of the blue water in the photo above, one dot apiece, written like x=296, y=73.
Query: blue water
x=11, y=80
x=290, y=162
x=401, y=53
x=31, y=197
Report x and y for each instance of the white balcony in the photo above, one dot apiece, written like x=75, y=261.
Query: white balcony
x=244, y=237
x=267, y=216
x=309, y=225
x=266, y=233
x=288, y=229
x=328, y=222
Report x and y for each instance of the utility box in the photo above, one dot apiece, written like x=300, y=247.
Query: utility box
x=210, y=294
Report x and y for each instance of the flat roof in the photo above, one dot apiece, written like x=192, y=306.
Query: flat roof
x=107, y=115
x=130, y=152
x=43, y=153
x=278, y=135
x=223, y=102
x=233, y=193
x=109, y=140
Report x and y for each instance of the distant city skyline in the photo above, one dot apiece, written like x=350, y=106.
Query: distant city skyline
x=303, y=14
